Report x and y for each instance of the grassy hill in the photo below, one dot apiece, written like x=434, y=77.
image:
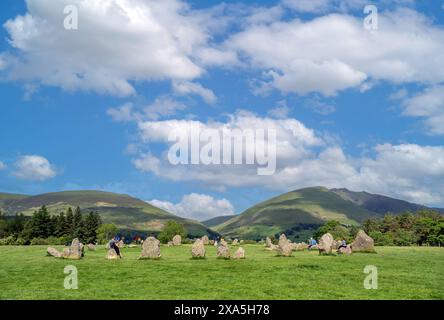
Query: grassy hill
x=216, y=221
x=126, y=212
x=377, y=203
x=6, y=198
x=299, y=212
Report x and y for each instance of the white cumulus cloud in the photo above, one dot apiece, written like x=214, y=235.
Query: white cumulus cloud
x=197, y=206
x=187, y=87
x=2, y=166
x=334, y=52
x=305, y=158
x=428, y=105
x=34, y=167
x=162, y=107
x=117, y=42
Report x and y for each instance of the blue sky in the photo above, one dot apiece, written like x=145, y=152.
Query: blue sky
x=354, y=108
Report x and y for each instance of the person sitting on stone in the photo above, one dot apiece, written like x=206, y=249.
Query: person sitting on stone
x=313, y=243
x=343, y=244
x=113, y=245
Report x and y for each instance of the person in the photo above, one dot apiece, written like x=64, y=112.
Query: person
x=113, y=245
x=312, y=243
x=343, y=244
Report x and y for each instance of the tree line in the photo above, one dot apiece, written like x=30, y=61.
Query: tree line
x=43, y=228
x=425, y=227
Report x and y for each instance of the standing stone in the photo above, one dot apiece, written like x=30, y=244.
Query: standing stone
x=150, y=249
x=347, y=250
x=326, y=244
x=223, y=252
x=363, y=243
x=205, y=240
x=239, y=254
x=283, y=240
x=198, y=249
x=112, y=254
x=235, y=242
x=268, y=242
x=285, y=247
x=170, y=244
x=75, y=251
x=54, y=252
x=91, y=247
x=223, y=243
x=177, y=240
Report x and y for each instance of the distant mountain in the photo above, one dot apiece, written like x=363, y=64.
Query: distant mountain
x=216, y=221
x=377, y=203
x=6, y=198
x=126, y=212
x=300, y=212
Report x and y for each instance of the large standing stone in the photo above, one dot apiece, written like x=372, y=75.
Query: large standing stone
x=112, y=254
x=198, y=249
x=363, y=243
x=239, y=254
x=75, y=251
x=223, y=243
x=177, y=240
x=326, y=244
x=54, y=252
x=91, y=247
x=223, y=251
x=235, y=242
x=150, y=249
x=347, y=250
x=205, y=240
x=285, y=247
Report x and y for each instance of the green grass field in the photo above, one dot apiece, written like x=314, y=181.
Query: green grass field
x=404, y=273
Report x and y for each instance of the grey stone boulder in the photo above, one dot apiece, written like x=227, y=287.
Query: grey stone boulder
x=150, y=249
x=326, y=244
x=363, y=243
x=198, y=249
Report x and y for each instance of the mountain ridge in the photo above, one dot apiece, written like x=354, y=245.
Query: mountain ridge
x=301, y=211
x=127, y=212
